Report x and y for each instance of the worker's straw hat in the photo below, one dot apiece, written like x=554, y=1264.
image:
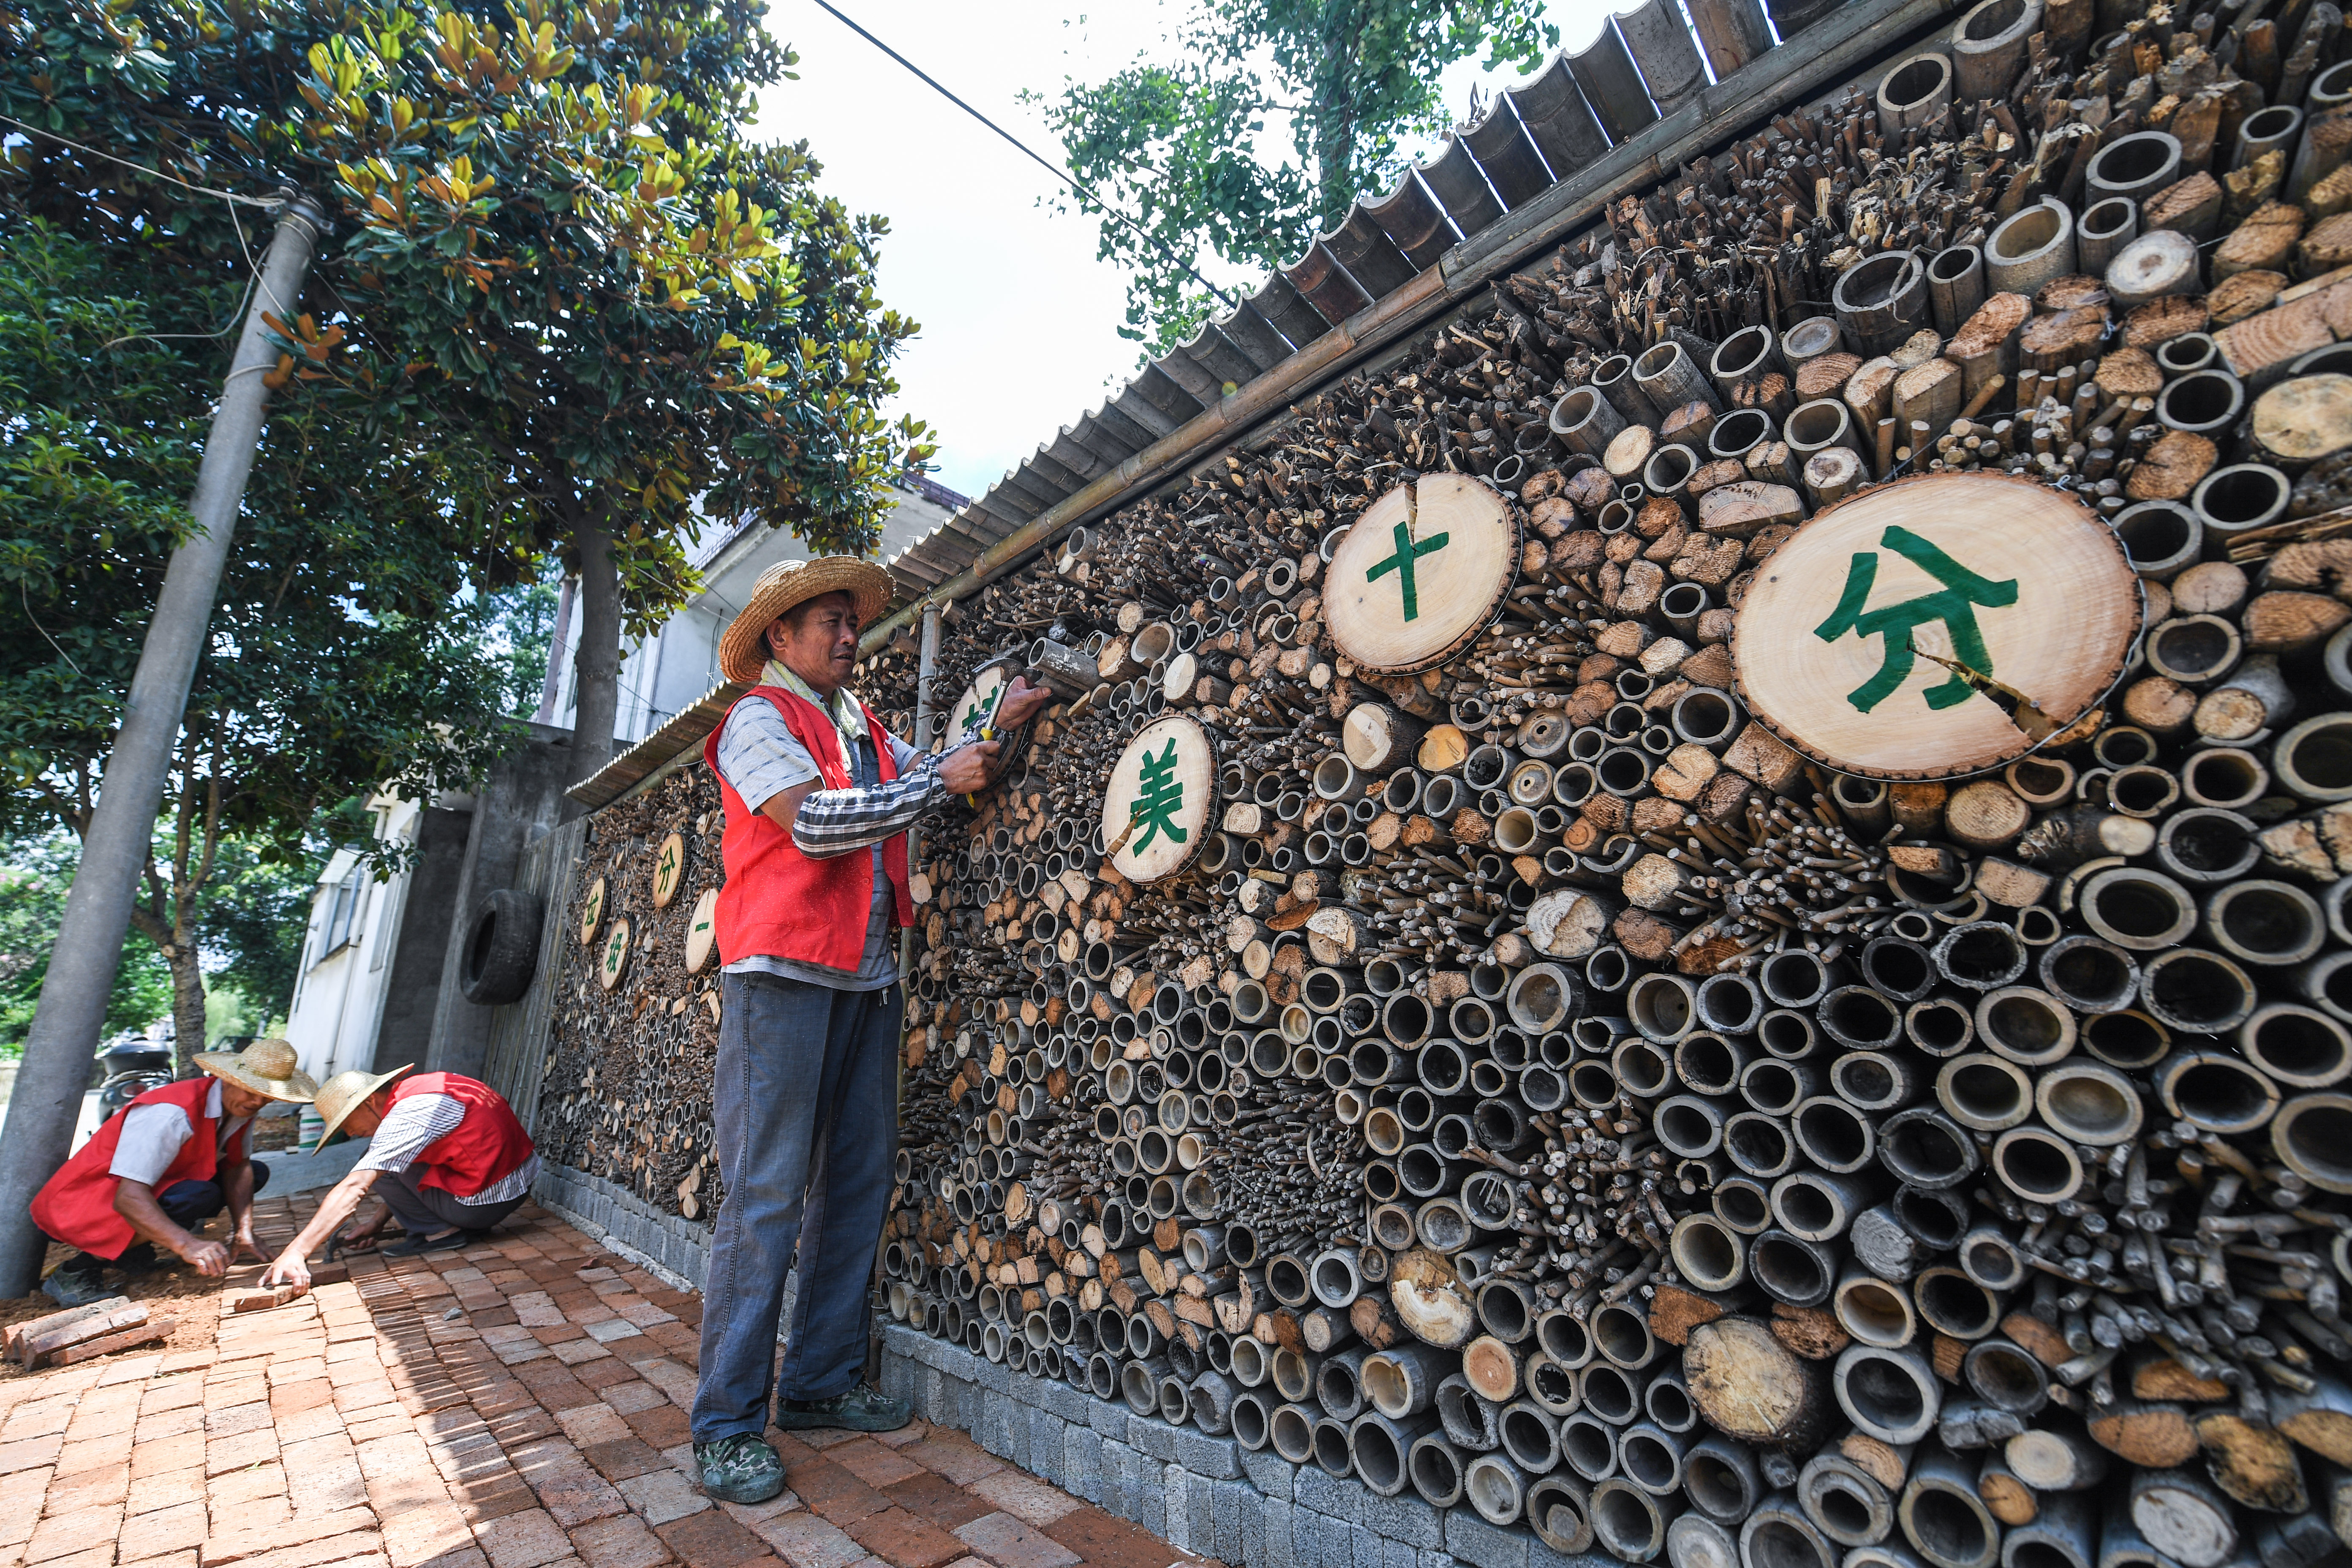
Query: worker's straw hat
x=265, y=1066
x=744, y=651
x=343, y=1094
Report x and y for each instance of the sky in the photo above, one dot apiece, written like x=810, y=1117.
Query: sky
x=1020, y=321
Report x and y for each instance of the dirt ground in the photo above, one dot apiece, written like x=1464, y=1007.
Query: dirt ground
x=174, y=1289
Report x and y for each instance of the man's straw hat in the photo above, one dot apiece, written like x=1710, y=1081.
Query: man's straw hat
x=744, y=651
x=265, y=1066
x=342, y=1094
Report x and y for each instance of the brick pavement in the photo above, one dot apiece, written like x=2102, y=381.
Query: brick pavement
x=521, y=1405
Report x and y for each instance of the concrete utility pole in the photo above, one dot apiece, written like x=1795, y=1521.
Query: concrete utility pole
x=47, y=1099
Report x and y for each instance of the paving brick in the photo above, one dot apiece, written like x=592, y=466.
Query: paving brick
x=616, y=1462
x=62, y=1535
x=953, y=1456
x=525, y=1540
x=662, y=1495
x=1026, y=1499
x=805, y=1540
x=633, y=1395
x=711, y=1539
x=433, y=1533
x=237, y=1546
x=833, y=1492
x=1010, y=1542
x=166, y=1530
x=899, y=1538
x=872, y=1463
x=622, y=1542
x=928, y=1495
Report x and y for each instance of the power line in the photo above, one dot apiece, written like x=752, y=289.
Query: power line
x=32, y=130
x=1018, y=145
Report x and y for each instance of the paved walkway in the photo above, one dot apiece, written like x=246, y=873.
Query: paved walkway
x=521, y=1404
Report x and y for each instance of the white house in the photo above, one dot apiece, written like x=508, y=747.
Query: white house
x=670, y=672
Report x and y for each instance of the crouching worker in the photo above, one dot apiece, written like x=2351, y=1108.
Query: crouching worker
x=165, y=1164
x=447, y=1156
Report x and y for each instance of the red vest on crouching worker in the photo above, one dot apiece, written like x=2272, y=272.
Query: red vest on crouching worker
x=487, y=1146
x=778, y=903
x=77, y=1206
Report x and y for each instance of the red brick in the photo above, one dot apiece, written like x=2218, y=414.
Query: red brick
x=872, y=1463
x=87, y=1488
x=66, y=1535
x=664, y=1426
x=301, y=1531
x=172, y=1528
x=622, y=1543
x=898, y=1537
x=834, y=1492
x=526, y=1540
x=1111, y=1543
x=619, y=1461
x=936, y=1498
x=602, y=1374
x=711, y=1539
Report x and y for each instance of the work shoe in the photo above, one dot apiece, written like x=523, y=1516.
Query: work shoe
x=76, y=1282
x=740, y=1468
x=862, y=1409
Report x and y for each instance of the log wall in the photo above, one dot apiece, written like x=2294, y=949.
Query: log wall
x=1751, y=1161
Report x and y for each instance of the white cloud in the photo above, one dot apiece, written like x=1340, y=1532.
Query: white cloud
x=1019, y=319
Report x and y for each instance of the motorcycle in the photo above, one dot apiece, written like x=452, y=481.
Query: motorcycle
x=134, y=1064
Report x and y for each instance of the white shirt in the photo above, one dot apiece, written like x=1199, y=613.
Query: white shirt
x=151, y=1136
x=416, y=1120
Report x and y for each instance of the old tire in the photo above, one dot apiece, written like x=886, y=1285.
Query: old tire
x=501, y=949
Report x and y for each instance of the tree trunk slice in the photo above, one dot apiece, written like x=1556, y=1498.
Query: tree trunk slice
x=1421, y=574
x=2303, y=420
x=669, y=869
x=702, y=930
x=977, y=705
x=2191, y=207
x=2262, y=242
x=2051, y=342
x=1377, y=739
x=2254, y=1465
x=2159, y=263
x=2058, y=636
x=1169, y=819
x=1430, y=1300
x=613, y=959
x=2172, y=467
x=1442, y=750
x=2167, y=319
x=2130, y=373
x=1826, y=375
x=591, y=910
x=2149, y=1435
x=1752, y=1387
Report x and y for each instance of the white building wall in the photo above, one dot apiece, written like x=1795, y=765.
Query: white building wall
x=347, y=951
x=669, y=672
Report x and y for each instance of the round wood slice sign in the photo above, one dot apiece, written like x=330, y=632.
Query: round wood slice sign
x=1937, y=627
x=669, y=869
x=974, y=708
x=701, y=930
x=591, y=910
x=615, y=958
x=1421, y=574
x=1160, y=800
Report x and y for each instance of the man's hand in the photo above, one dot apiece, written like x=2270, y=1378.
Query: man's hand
x=362, y=1236
x=243, y=1244
x=1020, y=701
x=969, y=768
x=291, y=1268
x=206, y=1257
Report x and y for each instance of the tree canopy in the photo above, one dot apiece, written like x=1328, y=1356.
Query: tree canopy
x=345, y=651
x=1263, y=122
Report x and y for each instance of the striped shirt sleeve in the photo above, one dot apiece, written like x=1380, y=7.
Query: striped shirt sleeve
x=412, y=1122
x=836, y=821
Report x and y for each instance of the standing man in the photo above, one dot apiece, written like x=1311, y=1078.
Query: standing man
x=162, y=1166
x=447, y=1155
x=819, y=798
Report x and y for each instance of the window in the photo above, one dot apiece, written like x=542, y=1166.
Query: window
x=343, y=907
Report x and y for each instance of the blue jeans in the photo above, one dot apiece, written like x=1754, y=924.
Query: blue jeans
x=190, y=1204
x=806, y=1110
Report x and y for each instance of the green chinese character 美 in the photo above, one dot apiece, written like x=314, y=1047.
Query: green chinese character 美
x=1953, y=604
x=1160, y=798
x=1401, y=563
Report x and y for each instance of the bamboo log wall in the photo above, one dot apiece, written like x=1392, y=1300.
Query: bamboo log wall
x=1748, y=1160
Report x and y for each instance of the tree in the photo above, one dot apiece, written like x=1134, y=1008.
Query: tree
x=1275, y=117
x=33, y=883
x=565, y=242
x=520, y=627
x=341, y=656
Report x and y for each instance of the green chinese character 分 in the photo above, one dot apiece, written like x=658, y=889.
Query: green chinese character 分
x=1160, y=797
x=1952, y=605
x=1407, y=553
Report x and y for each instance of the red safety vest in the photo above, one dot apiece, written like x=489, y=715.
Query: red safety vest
x=77, y=1206
x=488, y=1146
x=778, y=903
